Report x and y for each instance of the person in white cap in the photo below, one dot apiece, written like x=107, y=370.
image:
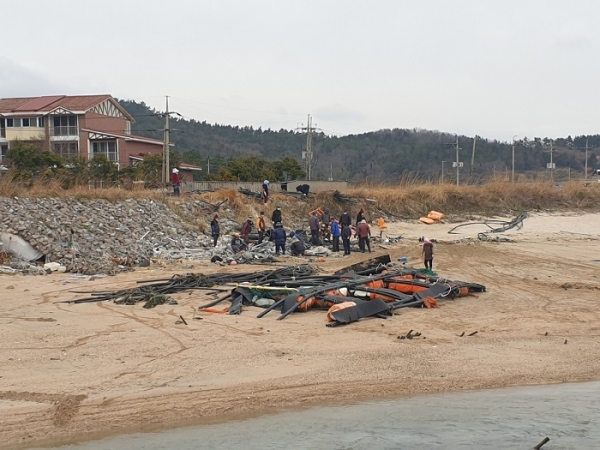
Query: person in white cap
x=265, y=188
x=428, y=253
x=175, y=181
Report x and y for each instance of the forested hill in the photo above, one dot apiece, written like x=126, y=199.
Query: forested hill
x=384, y=155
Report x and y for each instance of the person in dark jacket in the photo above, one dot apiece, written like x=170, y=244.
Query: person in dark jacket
x=276, y=216
x=428, y=253
x=246, y=229
x=215, y=229
x=345, y=220
x=278, y=236
x=304, y=189
x=293, y=234
x=336, y=232
x=326, y=225
x=297, y=248
x=314, y=225
x=360, y=216
x=346, y=235
x=237, y=245
x=265, y=188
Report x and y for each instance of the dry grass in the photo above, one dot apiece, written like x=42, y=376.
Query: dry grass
x=495, y=197
x=410, y=199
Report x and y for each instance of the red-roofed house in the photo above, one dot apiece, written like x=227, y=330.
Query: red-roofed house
x=85, y=125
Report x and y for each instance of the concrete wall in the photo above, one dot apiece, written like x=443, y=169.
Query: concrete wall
x=315, y=186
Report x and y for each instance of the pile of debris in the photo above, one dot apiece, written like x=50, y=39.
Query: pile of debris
x=93, y=236
x=375, y=291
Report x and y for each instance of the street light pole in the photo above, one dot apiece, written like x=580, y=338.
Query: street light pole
x=442, y=179
x=457, y=164
x=586, y=158
x=513, y=159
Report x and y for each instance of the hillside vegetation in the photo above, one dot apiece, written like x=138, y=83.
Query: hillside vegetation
x=383, y=156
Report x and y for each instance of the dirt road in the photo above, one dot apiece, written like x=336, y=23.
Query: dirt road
x=73, y=371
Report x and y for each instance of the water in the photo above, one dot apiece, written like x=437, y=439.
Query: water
x=511, y=418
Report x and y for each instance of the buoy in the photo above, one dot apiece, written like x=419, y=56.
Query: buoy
x=233, y=263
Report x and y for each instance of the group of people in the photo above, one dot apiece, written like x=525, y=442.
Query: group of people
x=336, y=228
x=341, y=228
x=240, y=241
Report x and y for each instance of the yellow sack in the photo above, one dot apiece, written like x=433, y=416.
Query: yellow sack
x=436, y=215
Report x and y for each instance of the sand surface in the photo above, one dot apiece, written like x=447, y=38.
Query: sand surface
x=73, y=372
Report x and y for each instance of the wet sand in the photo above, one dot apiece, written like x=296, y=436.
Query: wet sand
x=76, y=371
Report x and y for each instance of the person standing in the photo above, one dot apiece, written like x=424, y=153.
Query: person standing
x=360, y=216
x=428, y=253
x=175, y=181
x=215, y=229
x=260, y=226
x=345, y=220
x=346, y=235
x=276, y=216
x=278, y=236
x=265, y=187
x=326, y=225
x=246, y=229
x=336, y=232
x=363, y=231
x=313, y=223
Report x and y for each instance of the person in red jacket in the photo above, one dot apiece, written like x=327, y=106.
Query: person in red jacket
x=363, y=231
x=175, y=181
x=246, y=230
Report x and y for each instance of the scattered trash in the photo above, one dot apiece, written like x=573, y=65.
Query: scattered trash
x=517, y=223
x=338, y=196
x=19, y=247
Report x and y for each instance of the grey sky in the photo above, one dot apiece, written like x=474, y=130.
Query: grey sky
x=492, y=68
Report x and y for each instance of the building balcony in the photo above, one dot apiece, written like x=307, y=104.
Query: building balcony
x=67, y=130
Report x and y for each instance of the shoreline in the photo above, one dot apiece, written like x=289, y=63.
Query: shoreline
x=71, y=370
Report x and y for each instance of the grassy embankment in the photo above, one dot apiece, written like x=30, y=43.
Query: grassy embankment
x=405, y=200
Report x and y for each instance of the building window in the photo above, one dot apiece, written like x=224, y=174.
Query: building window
x=3, y=157
x=66, y=149
x=2, y=128
x=65, y=126
x=40, y=121
x=106, y=148
x=13, y=123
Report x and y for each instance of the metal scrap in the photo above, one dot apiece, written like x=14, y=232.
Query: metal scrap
x=342, y=198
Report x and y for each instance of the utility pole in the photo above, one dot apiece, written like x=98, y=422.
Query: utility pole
x=513, y=159
x=442, y=178
x=586, y=158
x=308, y=155
x=458, y=163
x=208, y=164
x=166, y=165
x=473, y=155
x=551, y=163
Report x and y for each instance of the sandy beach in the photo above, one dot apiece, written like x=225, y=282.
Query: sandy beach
x=72, y=372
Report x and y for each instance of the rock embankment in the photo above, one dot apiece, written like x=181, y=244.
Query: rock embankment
x=94, y=236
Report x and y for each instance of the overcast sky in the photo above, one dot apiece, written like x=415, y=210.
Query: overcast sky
x=475, y=67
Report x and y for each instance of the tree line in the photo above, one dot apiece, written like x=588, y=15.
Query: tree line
x=386, y=155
